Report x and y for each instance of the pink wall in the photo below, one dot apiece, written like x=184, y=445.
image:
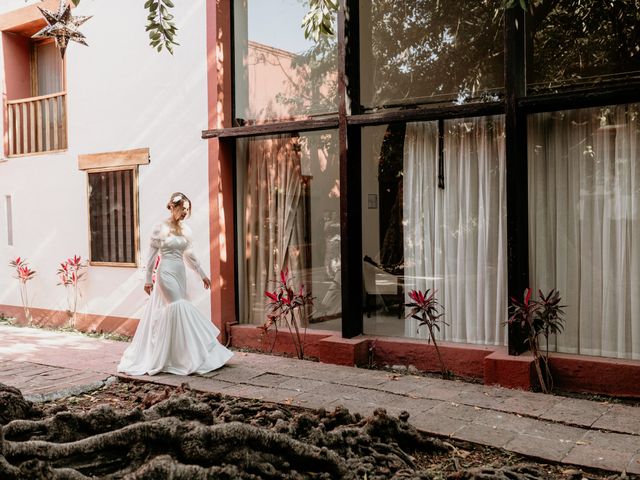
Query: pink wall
x=271, y=71
x=17, y=65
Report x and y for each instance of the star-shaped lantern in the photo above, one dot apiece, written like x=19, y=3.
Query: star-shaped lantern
x=62, y=26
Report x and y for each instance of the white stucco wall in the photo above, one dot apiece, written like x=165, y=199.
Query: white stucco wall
x=121, y=95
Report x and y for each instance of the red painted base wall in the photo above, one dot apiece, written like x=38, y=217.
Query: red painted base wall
x=492, y=365
x=85, y=322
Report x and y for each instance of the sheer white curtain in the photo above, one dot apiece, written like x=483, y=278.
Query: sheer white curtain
x=274, y=222
x=455, y=238
x=584, y=212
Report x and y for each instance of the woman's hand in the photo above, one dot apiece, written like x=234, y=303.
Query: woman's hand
x=207, y=283
x=148, y=287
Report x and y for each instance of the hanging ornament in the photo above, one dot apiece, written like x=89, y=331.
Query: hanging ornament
x=62, y=26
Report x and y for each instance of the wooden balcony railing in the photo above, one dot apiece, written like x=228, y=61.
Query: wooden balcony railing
x=37, y=124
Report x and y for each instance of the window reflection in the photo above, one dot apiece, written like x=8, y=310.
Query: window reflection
x=279, y=74
x=425, y=51
x=440, y=224
x=584, y=224
x=288, y=211
x=581, y=42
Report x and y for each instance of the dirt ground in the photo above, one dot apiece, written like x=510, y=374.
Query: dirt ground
x=440, y=465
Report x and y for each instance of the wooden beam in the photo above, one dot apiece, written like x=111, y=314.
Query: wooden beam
x=32, y=126
x=54, y=123
x=516, y=160
x=583, y=98
x=18, y=139
x=47, y=124
x=63, y=120
x=272, y=128
x=125, y=158
x=39, y=137
x=427, y=113
x=350, y=169
x=11, y=139
x=25, y=129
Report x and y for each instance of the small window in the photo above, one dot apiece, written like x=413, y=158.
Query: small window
x=9, y=216
x=112, y=182
x=113, y=218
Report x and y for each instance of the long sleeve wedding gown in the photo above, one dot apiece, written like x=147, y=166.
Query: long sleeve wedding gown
x=173, y=336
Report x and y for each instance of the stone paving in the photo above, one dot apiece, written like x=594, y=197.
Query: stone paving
x=585, y=433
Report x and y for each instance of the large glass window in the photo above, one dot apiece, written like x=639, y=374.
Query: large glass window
x=434, y=216
x=288, y=215
x=279, y=74
x=426, y=51
x=577, y=42
x=584, y=217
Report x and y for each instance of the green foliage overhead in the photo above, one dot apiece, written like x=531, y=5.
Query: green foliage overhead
x=160, y=25
x=319, y=20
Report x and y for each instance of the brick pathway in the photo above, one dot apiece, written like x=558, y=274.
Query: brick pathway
x=580, y=432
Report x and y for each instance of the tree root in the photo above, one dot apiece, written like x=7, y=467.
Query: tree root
x=13, y=405
x=517, y=472
x=185, y=437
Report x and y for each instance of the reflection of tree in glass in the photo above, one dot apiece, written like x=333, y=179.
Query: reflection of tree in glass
x=430, y=50
x=390, y=180
x=427, y=48
x=415, y=49
x=411, y=50
x=315, y=87
x=578, y=39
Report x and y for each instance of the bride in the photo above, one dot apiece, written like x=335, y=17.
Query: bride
x=173, y=336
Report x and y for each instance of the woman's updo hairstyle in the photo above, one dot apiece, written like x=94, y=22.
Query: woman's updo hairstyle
x=179, y=199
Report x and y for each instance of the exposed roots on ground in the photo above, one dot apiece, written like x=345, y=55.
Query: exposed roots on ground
x=518, y=472
x=184, y=437
x=13, y=405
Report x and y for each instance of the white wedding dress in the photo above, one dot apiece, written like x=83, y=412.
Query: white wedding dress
x=173, y=336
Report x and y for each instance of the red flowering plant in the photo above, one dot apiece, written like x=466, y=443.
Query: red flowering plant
x=70, y=272
x=424, y=307
x=288, y=306
x=23, y=273
x=541, y=316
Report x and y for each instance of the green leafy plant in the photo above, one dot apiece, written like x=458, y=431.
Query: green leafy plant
x=70, y=272
x=160, y=25
x=23, y=273
x=320, y=18
x=425, y=308
x=287, y=306
x=162, y=30
x=542, y=316
x=551, y=314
